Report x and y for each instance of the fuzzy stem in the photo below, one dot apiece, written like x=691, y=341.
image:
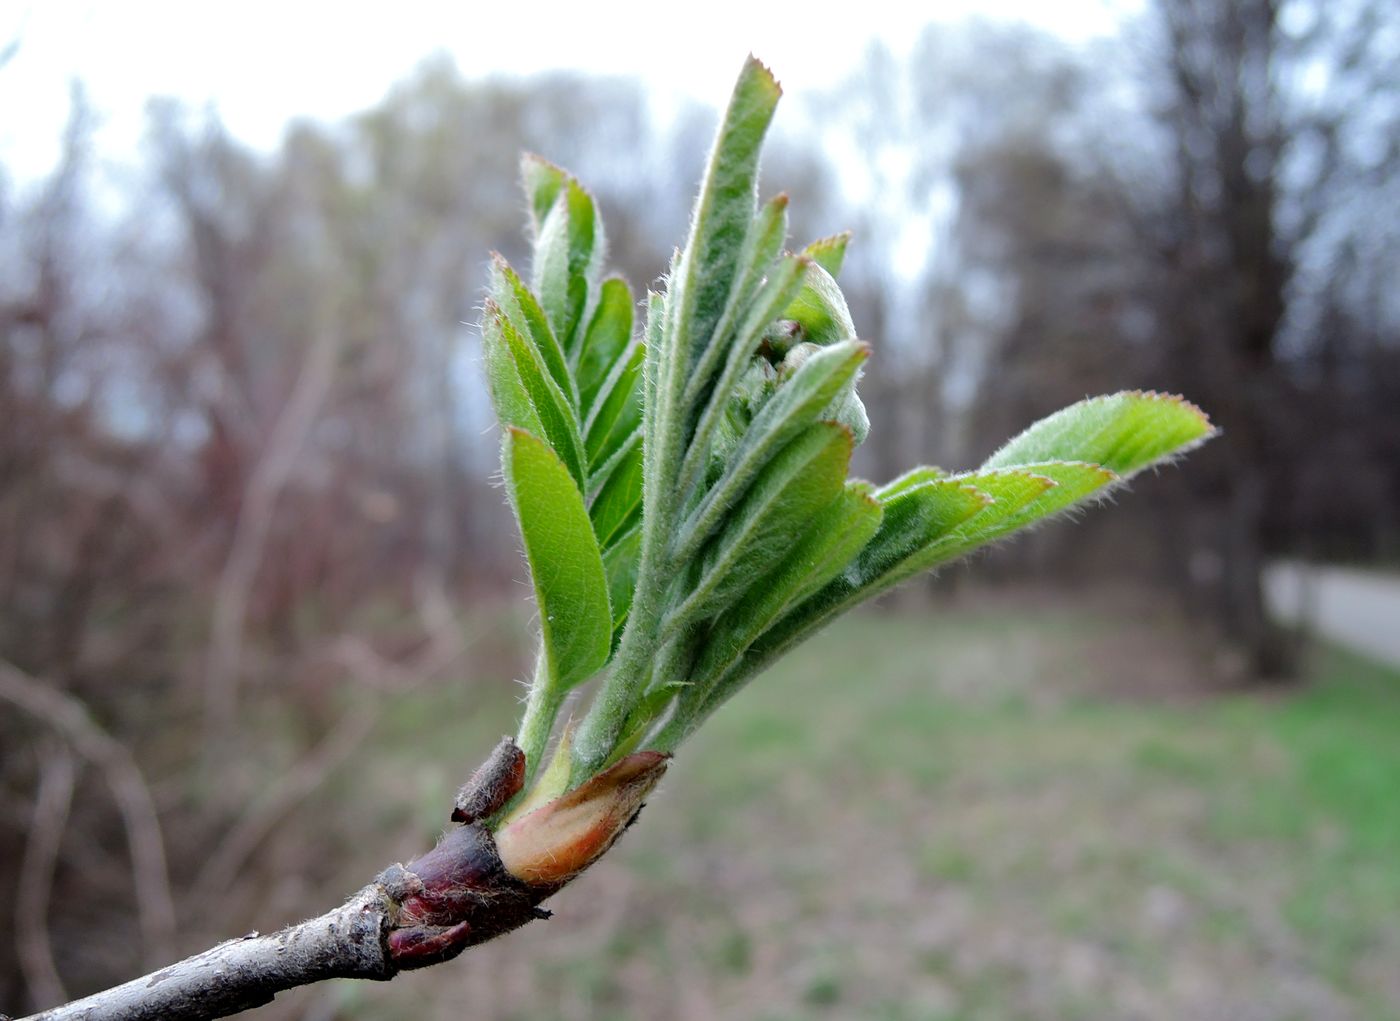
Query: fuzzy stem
x=541, y=710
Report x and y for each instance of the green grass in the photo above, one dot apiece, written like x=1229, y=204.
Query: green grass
x=1012, y=836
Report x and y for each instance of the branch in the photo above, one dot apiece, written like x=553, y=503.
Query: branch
x=298, y=783
x=270, y=476
x=248, y=972
x=70, y=718
x=52, y=800
x=445, y=646
x=472, y=887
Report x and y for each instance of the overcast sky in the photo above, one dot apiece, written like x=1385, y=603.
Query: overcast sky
x=261, y=63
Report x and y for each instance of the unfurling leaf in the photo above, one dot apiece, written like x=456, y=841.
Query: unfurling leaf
x=829, y=253
x=821, y=551
x=1124, y=432
x=724, y=214
x=524, y=393
x=820, y=309
x=795, y=405
x=509, y=292
x=794, y=487
x=608, y=334
x=542, y=181
x=569, y=249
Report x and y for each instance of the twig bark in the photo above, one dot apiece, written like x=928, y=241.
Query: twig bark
x=468, y=889
x=248, y=972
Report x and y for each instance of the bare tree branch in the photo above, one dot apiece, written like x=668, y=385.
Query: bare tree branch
x=248, y=972
x=57, y=776
x=445, y=646
x=269, y=477
x=263, y=816
x=70, y=719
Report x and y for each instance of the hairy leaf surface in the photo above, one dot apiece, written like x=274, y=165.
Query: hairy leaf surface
x=571, y=588
x=1124, y=432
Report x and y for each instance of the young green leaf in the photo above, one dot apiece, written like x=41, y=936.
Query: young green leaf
x=913, y=477
x=917, y=516
x=925, y=523
x=737, y=332
x=773, y=296
x=525, y=314
x=829, y=253
x=566, y=568
x=620, y=564
x=508, y=394
x=618, y=414
x=568, y=256
x=550, y=407
x=619, y=502
x=608, y=334
x=724, y=213
x=820, y=309
x=543, y=181
x=1018, y=497
x=806, y=476
x=587, y=247
x=1124, y=432
x=824, y=548
x=797, y=404
x=711, y=458
x=1075, y=481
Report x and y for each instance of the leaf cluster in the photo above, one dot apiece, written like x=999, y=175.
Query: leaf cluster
x=682, y=490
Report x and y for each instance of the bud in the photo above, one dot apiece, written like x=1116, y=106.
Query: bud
x=495, y=782
x=556, y=842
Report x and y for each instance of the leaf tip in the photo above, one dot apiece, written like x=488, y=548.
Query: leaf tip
x=1208, y=427
x=760, y=70
x=983, y=497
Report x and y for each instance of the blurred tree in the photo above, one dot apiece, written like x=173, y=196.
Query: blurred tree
x=1277, y=114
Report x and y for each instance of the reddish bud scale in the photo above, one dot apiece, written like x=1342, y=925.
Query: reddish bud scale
x=474, y=886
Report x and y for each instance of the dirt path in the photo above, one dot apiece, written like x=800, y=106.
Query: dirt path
x=1360, y=609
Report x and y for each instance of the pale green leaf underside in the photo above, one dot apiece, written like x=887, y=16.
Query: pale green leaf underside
x=821, y=551
x=797, y=405
x=801, y=480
